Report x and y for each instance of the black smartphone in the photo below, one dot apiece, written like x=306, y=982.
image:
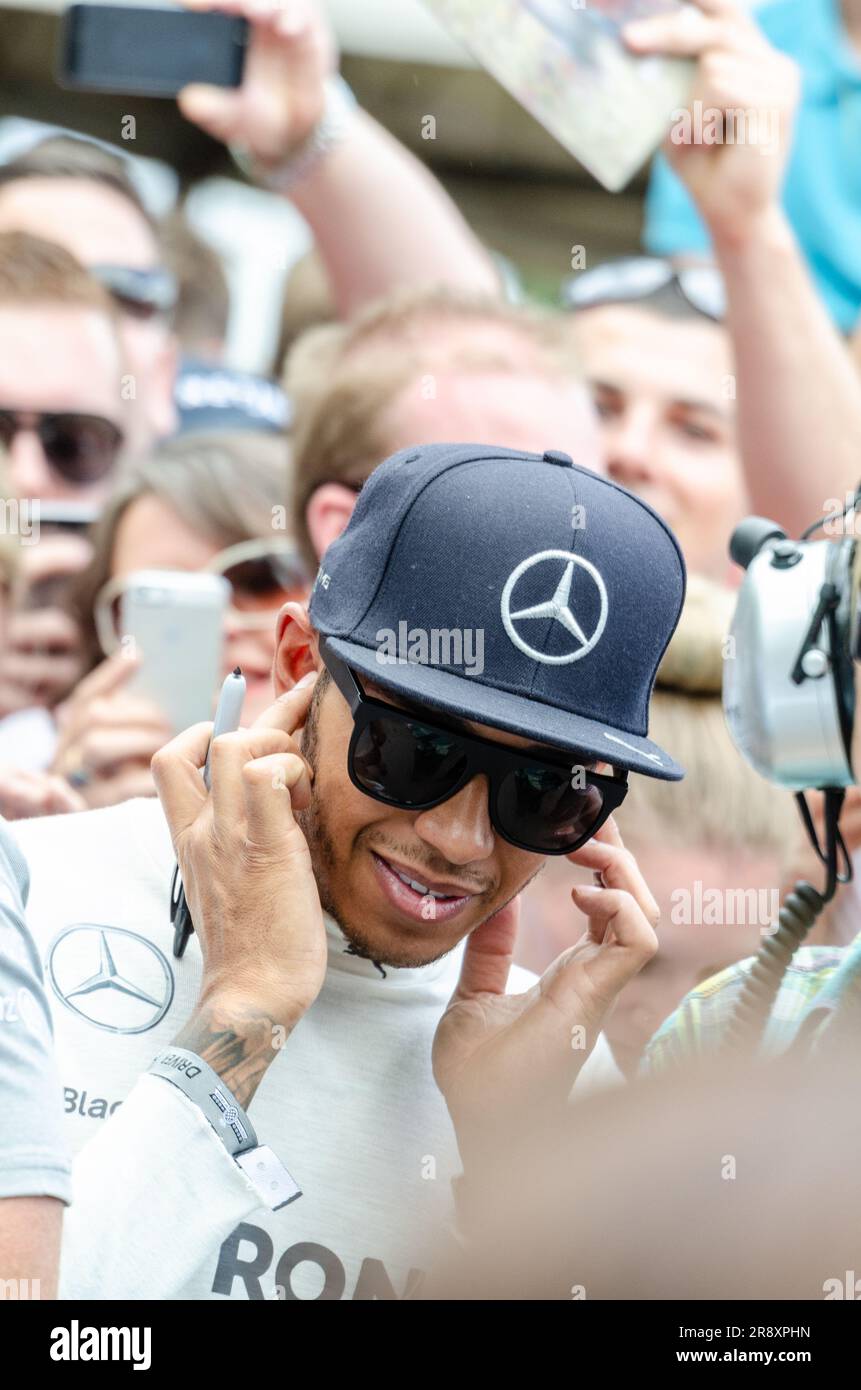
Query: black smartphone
x=148, y=51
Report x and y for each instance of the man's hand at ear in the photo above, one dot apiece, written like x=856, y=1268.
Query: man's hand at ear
x=497, y=1056
x=247, y=873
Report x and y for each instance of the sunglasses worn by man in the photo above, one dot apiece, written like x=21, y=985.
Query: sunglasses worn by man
x=81, y=448
x=540, y=802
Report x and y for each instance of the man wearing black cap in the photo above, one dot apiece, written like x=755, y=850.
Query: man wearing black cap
x=473, y=679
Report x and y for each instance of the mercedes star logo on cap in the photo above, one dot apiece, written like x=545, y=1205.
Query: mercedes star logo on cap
x=557, y=607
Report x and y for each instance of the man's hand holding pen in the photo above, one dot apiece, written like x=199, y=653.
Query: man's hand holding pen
x=247, y=873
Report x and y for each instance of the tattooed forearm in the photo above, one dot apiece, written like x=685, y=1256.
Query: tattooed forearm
x=239, y=1046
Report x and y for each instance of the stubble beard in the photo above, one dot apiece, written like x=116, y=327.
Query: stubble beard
x=324, y=861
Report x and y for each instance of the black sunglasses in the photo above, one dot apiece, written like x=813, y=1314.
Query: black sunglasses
x=541, y=804
x=81, y=448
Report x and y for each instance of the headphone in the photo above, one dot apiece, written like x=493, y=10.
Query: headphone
x=788, y=687
x=789, y=702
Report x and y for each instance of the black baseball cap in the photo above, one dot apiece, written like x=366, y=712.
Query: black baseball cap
x=570, y=586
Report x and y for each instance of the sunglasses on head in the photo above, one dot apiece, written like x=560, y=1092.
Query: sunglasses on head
x=638, y=277
x=143, y=294
x=541, y=803
x=81, y=448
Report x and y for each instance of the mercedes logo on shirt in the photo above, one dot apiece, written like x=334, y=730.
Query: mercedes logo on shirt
x=112, y=978
x=557, y=606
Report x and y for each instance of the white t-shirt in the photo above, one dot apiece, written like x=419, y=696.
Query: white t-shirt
x=349, y=1105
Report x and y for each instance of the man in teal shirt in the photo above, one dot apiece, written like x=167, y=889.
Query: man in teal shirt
x=822, y=188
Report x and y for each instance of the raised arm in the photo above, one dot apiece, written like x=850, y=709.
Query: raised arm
x=798, y=390
x=258, y=919
x=380, y=219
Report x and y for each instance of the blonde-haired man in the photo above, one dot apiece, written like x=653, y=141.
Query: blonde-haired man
x=64, y=418
x=422, y=367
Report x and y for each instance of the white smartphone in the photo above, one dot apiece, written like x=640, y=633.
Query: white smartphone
x=174, y=622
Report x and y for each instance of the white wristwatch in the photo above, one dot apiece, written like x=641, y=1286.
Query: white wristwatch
x=340, y=106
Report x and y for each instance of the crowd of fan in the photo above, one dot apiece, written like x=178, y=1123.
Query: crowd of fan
x=714, y=376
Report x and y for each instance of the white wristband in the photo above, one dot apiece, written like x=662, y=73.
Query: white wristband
x=205, y=1088
x=266, y=1171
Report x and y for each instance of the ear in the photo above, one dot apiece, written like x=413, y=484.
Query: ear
x=328, y=511
x=297, y=648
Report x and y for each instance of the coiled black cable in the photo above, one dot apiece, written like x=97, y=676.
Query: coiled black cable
x=798, y=912
x=797, y=915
